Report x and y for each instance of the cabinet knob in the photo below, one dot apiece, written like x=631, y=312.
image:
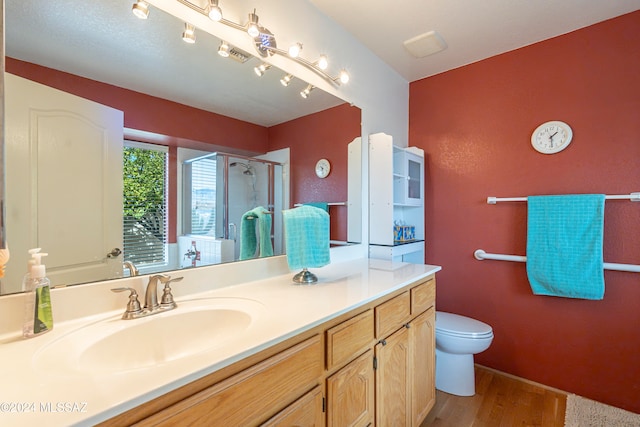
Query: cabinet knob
x=383, y=342
x=408, y=325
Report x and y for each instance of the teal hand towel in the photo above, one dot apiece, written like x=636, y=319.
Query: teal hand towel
x=564, y=245
x=306, y=231
x=249, y=238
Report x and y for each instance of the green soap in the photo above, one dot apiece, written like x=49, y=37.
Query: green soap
x=43, y=319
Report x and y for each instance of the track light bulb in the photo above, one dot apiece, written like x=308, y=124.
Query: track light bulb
x=260, y=69
x=344, y=77
x=223, y=50
x=189, y=33
x=294, y=50
x=286, y=79
x=305, y=93
x=252, y=28
x=323, y=62
x=140, y=9
x=215, y=13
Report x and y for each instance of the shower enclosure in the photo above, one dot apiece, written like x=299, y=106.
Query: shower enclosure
x=218, y=189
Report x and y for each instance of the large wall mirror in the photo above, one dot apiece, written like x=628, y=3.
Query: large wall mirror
x=186, y=112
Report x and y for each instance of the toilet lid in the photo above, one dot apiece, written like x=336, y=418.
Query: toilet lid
x=456, y=325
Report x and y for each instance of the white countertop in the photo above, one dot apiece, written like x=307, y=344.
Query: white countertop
x=52, y=397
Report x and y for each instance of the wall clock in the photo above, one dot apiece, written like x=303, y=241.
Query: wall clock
x=551, y=137
x=323, y=167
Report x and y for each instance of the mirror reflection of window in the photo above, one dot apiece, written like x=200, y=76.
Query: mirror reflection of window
x=145, y=223
x=203, y=196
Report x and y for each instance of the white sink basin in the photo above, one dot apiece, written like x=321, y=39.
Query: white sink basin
x=116, y=345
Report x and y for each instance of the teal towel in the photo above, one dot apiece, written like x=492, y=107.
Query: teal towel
x=306, y=237
x=249, y=240
x=320, y=205
x=564, y=245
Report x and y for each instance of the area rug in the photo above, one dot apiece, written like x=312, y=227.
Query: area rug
x=583, y=412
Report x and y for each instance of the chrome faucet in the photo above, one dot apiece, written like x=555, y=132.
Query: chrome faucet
x=133, y=271
x=151, y=295
x=151, y=305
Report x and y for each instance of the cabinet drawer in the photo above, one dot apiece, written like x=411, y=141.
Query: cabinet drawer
x=423, y=296
x=392, y=314
x=350, y=338
x=253, y=395
x=305, y=412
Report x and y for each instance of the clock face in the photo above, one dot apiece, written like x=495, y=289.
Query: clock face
x=551, y=137
x=323, y=168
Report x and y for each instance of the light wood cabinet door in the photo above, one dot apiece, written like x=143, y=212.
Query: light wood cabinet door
x=422, y=339
x=350, y=394
x=304, y=412
x=393, y=392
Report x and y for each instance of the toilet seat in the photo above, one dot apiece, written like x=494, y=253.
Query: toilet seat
x=455, y=325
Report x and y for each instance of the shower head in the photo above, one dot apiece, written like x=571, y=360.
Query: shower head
x=248, y=168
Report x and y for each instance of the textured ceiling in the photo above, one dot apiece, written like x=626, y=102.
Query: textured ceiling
x=472, y=29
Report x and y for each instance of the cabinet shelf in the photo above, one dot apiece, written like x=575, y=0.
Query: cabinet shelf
x=400, y=243
x=396, y=197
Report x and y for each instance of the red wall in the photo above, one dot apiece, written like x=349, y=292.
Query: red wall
x=475, y=124
x=310, y=138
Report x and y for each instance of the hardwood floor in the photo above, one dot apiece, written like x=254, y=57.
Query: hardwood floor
x=500, y=401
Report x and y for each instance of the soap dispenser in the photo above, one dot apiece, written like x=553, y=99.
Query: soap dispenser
x=38, y=314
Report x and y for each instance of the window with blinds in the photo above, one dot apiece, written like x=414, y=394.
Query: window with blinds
x=145, y=204
x=203, y=195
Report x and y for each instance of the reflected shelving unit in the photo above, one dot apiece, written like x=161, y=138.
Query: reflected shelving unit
x=396, y=196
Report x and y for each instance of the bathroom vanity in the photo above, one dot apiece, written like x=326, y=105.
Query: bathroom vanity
x=357, y=348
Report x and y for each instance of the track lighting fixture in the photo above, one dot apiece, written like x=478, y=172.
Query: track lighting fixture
x=215, y=13
x=252, y=26
x=263, y=40
x=286, y=79
x=140, y=9
x=189, y=33
x=305, y=93
x=260, y=69
x=294, y=50
x=344, y=77
x=322, y=62
x=223, y=49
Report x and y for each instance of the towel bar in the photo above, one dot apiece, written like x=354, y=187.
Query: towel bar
x=480, y=255
x=254, y=217
x=634, y=197
x=297, y=205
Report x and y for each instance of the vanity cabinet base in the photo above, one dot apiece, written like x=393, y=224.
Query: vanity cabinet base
x=373, y=365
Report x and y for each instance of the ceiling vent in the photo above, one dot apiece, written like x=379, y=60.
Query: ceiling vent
x=425, y=44
x=239, y=55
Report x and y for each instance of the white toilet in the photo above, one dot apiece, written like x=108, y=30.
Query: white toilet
x=458, y=338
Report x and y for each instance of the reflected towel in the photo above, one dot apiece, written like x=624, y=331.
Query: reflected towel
x=320, y=205
x=306, y=237
x=249, y=237
x=564, y=245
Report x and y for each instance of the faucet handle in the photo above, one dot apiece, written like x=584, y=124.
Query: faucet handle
x=165, y=278
x=133, y=306
x=167, y=297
